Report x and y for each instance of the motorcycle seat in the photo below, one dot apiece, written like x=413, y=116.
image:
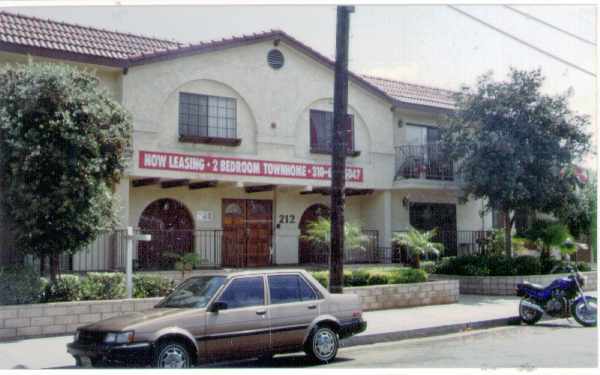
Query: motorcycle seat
x=533, y=286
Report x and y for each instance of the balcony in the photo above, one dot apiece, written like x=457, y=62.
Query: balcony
x=423, y=162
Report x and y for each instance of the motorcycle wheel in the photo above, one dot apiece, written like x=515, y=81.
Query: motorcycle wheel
x=528, y=315
x=582, y=315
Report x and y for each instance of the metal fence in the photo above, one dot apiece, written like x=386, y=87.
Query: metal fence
x=427, y=161
x=215, y=248
x=368, y=253
x=461, y=242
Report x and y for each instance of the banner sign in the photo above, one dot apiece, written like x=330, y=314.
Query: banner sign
x=241, y=167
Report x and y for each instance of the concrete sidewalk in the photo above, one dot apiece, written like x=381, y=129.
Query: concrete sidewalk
x=471, y=312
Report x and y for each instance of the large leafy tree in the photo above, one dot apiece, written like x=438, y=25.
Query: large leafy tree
x=512, y=144
x=578, y=210
x=63, y=148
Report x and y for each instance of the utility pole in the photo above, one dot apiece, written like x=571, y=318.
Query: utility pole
x=338, y=156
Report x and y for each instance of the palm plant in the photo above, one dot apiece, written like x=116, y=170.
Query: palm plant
x=418, y=244
x=319, y=231
x=185, y=262
x=551, y=235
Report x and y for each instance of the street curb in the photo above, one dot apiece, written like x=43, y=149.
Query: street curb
x=377, y=338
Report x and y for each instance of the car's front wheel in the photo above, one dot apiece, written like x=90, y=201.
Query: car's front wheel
x=322, y=345
x=172, y=354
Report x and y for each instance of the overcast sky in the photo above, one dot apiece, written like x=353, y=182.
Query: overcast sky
x=433, y=45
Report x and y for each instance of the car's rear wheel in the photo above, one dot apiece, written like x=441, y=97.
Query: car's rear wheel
x=322, y=345
x=172, y=354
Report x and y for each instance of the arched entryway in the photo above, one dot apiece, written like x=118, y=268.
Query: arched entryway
x=172, y=228
x=308, y=251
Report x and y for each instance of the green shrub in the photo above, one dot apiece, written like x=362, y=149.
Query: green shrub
x=428, y=266
x=527, y=265
x=356, y=278
x=473, y=270
x=98, y=286
x=583, y=267
x=375, y=276
x=499, y=265
x=494, y=265
x=378, y=278
x=550, y=265
x=20, y=285
x=322, y=277
x=408, y=275
x=65, y=288
x=145, y=286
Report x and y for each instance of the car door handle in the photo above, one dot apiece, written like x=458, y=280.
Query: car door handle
x=261, y=312
x=312, y=307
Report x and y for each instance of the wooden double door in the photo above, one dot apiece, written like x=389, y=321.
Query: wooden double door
x=247, y=232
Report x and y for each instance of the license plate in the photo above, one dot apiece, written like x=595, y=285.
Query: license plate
x=86, y=362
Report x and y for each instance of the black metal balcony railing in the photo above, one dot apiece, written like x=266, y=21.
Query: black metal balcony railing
x=427, y=161
x=461, y=242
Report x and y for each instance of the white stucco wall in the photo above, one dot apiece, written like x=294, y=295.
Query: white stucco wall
x=273, y=123
x=265, y=96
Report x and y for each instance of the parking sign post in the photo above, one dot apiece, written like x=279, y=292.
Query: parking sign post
x=129, y=266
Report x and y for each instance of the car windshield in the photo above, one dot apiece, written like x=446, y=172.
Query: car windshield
x=195, y=292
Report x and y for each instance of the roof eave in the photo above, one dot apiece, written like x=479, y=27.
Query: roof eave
x=62, y=55
x=398, y=104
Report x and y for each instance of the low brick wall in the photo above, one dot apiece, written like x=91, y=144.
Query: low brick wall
x=505, y=285
x=379, y=297
x=46, y=319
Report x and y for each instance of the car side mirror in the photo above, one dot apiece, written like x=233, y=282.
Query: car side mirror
x=219, y=305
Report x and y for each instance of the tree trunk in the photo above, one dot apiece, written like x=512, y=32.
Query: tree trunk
x=54, y=267
x=416, y=263
x=507, y=233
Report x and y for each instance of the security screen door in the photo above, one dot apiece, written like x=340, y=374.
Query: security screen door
x=441, y=216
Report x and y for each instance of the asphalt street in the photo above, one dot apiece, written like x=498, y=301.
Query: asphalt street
x=557, y=343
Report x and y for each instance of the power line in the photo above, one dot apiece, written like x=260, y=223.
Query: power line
x=550, y=25
x=523, y=41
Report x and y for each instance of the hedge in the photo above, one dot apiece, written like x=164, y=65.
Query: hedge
x=499, y=265
x=363, y=277
x=22, y=285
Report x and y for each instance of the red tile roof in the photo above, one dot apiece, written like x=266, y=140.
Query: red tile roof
x=37, y=36
x=412, y=93
x=39, y=33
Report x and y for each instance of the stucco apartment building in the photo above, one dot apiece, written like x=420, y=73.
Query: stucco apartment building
x=231, y=145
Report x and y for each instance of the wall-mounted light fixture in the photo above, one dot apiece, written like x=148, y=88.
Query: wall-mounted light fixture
x=405, y=202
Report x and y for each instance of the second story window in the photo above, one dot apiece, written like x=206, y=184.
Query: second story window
x=321, y=127
x=422, y=135
x=207, y=119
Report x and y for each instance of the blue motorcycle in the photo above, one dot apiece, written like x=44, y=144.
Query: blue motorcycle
x=563, y=298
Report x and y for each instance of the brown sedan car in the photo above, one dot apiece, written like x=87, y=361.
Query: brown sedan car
x=220, y=316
